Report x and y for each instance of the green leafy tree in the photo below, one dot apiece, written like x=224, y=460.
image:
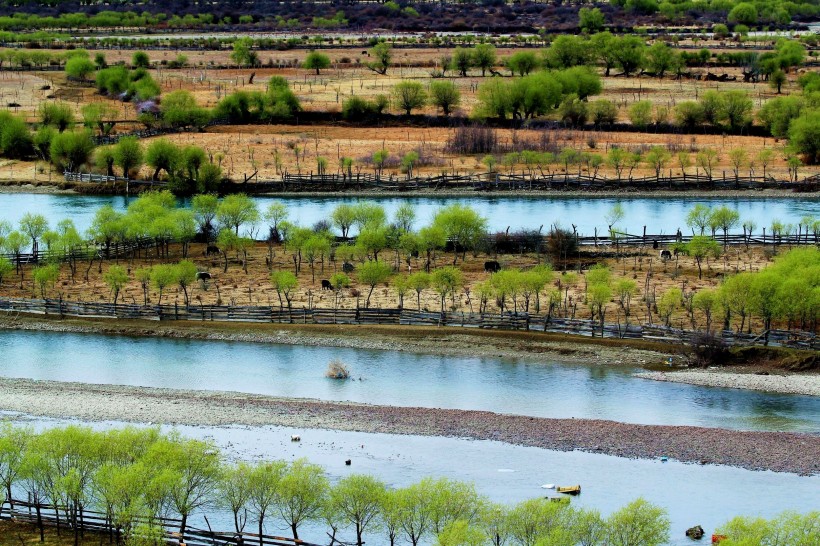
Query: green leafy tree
x=382, y=55
x=590, y=20
x=193, y=470
x=116, y=278
x=284, y=282
x=628, y=52
x=162, y=276
x=743, y=13
x=522, y=62
x=777, y=79
x=16, y=141
x=700, y=247
x=162, y=155
x=45, y=277
x=462, y=61
x=6, y=267
x=71, y=150
x=265, y=480
x=639, y=522
x=128, y=155
x=179, y=109
x=316, y=61
x=301, y=493
x=79, y=68
x=462, y=225
x=140, y=59
x=484, y=57
x=804, y=136
x=373, y=273
x=185, y=273
x=358, y=499
x=640, y=114
x=409, y=95
x=236, y=210
x=447, y=281
x=444, y=95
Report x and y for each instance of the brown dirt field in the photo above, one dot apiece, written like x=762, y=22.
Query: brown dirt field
x=21, y=534
x=250, y=148
x=235, y=287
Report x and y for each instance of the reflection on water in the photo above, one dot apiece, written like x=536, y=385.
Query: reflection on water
x=545, y=389
x=659, y=215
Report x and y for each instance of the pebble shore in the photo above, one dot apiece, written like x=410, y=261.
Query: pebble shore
x=776, y=451
x=805, y=384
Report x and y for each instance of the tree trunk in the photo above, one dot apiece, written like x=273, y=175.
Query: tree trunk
x=182, y=527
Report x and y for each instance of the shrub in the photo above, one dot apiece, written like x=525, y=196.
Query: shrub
x=409, y=95
x=804, y=136
x=604, y=112
x=15, y=138
x=70, y=150
x=444, y=95
x=316, y=61
x=336, y=369
x=79, y=68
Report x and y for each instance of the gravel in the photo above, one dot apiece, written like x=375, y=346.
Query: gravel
x=776, y=451
x=805, y=384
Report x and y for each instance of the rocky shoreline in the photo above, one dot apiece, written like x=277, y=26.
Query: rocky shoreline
x=804, y=384
x=775, y=451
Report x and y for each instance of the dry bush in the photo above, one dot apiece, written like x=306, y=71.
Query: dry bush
x=336, y=369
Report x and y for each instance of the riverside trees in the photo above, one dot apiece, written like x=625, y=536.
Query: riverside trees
x=141, y=475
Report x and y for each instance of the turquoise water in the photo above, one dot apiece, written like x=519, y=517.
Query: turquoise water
x=659, y=215
x=540, y=388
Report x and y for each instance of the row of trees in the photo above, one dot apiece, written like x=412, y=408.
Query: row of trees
x=137, y=476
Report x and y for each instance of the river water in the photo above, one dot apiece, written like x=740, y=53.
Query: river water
x=693, y=495
x=544, y=388
x=659, y=215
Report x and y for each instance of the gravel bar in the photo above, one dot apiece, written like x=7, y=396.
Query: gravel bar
x=776, y=451
x=804, y=384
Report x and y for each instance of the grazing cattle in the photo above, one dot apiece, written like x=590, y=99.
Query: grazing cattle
x=666, y=255
x=654, y=244
x=326, y=285
x=347, y=268
x=295, y=438
x=492, y=266
x=348, y=462
x=414, y=253
x=212, y=250
x=203, y=276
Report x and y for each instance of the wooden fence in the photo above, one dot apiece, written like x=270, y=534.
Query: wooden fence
x=312, y=182
x=88, y=250
x=89, y=520
x=401, y=317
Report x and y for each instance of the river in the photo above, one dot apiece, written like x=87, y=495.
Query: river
x=531, y=387
x=659, y=215
x=692, y=494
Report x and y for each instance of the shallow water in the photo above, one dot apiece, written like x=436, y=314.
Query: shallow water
x=659, y=215
x=692, y=494
x=542, y=388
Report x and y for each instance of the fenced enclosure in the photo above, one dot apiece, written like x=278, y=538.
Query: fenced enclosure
x=336, y=182
x=99, y=522
x=529, y=322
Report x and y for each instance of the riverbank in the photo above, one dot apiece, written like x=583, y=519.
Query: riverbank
x=779, y=382
x=447, y=341
x=775, y=451
x=39, y=187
